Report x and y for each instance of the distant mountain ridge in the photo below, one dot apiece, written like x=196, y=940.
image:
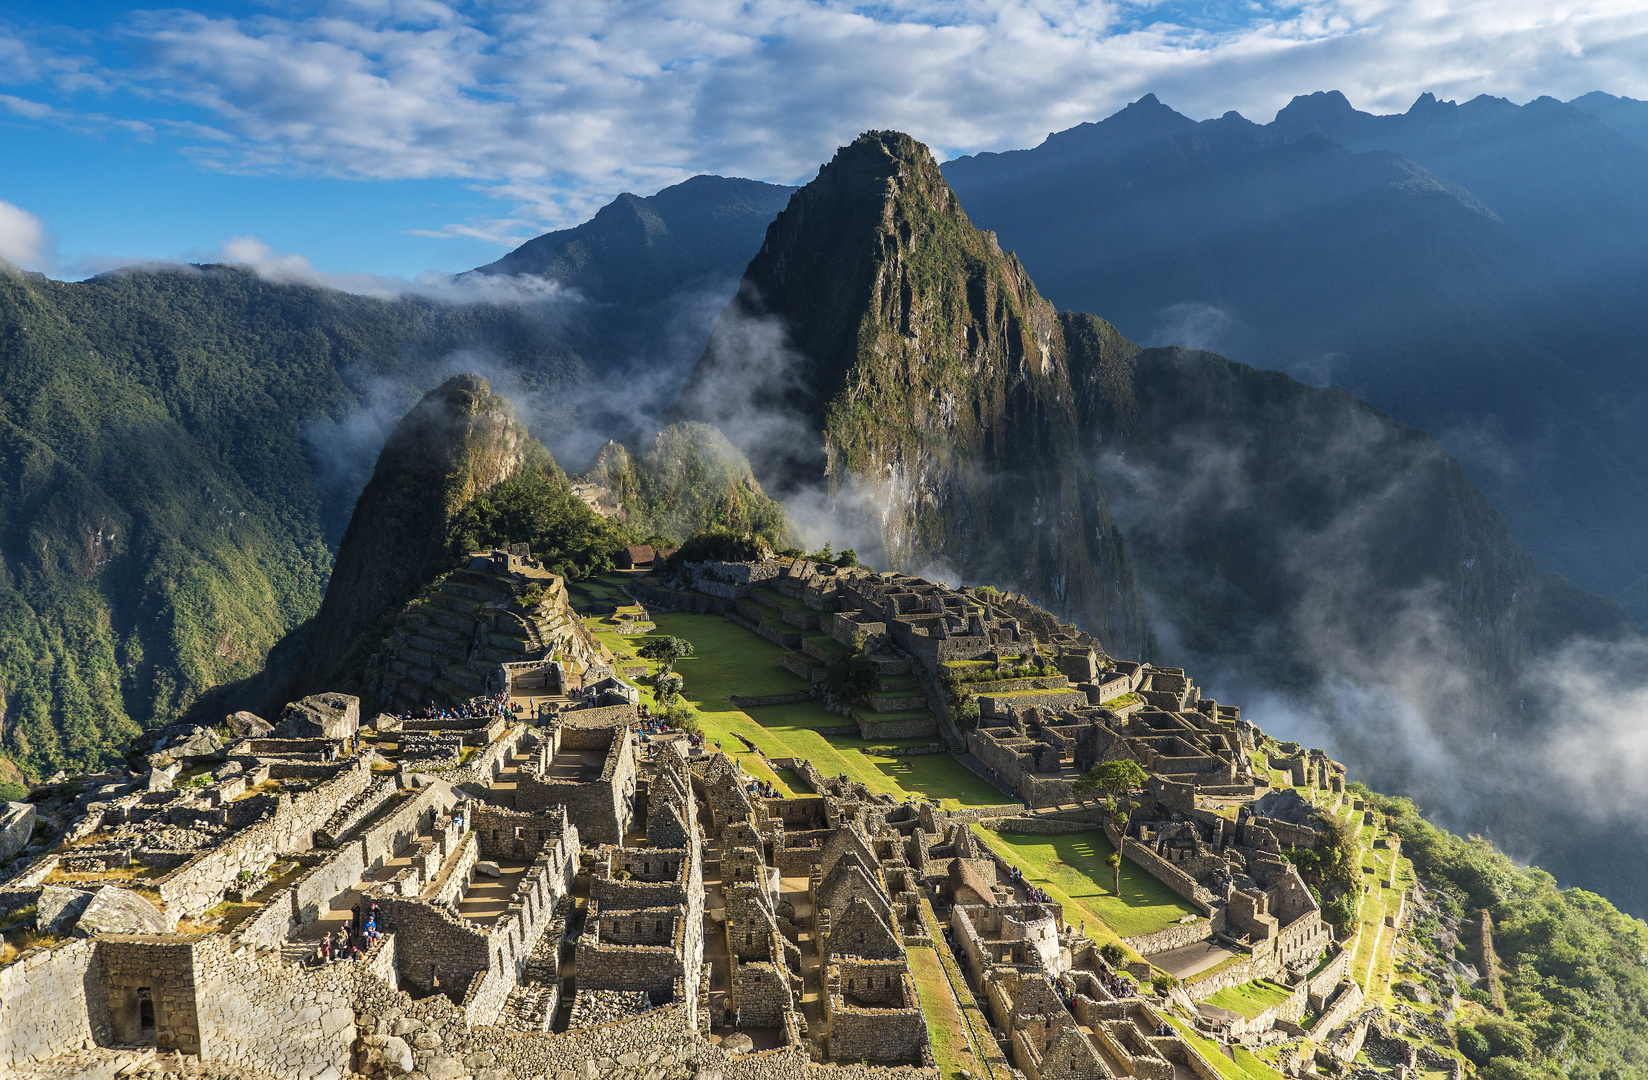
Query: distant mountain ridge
x=1404, y=258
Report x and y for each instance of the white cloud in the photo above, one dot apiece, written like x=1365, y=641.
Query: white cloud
x=554, y=108
x=23, y=239
x=288, y=269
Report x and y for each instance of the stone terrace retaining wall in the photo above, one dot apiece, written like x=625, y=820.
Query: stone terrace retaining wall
x=1162, y=870
x=1173, y=937
x=1036, y=825
x=49, y=1005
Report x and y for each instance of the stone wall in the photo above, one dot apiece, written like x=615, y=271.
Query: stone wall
x=200, y=883
x=253, y=1014
x=1036, y=825
x=51, y=1003
x=872, y=726
x=160, y=969
x=1175, y=936
x=761, y=991
x=603, y=809
x=313, y=893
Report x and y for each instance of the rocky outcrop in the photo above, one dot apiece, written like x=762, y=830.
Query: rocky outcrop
x=458, y=442
x=888, y=359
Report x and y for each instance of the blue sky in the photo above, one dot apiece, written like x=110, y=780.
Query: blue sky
x=392, y=137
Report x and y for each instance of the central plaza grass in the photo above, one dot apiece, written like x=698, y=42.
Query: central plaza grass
x=728, y=659
x=1071, y=867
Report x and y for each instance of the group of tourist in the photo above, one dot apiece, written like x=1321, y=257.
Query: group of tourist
x=1039, y=896
x=484, y=707
x=1118, y=986
x=354, y=940
x=757, y=786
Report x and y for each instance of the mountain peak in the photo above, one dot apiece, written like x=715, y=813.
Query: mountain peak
x=884, y=352
x=458, y=441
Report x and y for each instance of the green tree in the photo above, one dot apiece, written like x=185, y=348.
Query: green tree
x=1113, y=782
x=666, y=650
x=667, y=687
x=1114, y=861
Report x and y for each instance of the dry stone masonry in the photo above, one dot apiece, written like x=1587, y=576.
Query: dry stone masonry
x=457, y=889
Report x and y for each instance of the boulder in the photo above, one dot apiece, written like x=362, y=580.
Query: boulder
x=234, y=768
x=16, y=826
x=441, y=1067
x=245, y=725
x=1413, y=991
x=385, y=1055
x=384, y=722
x=738, y=1044
x=489, y=869
x=114, y=910
x=59, y=907
x=320, y=716
x=196, y=743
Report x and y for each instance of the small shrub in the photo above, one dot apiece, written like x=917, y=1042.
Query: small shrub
x=1473, y=1045
x=1113, y=953
x=1163, y=983
x=679, y=716
x=1504, y=1068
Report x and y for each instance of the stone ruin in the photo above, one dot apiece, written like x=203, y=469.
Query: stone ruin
x=565, y=895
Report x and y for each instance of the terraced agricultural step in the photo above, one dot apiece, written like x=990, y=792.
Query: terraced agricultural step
x=887, y=703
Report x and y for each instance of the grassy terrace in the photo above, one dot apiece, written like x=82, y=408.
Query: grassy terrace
x=1244, y=1066
x=1251, y=999
x=729, y=659
x=1071, y=867
x=986, y=1060
x=1374, y=961
x=772, y=598
x=952, y=1051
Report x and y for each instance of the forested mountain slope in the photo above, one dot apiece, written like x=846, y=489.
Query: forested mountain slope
x=1433, y=264
x=181, y=449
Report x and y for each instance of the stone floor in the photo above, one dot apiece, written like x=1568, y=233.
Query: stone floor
x=1187, y=960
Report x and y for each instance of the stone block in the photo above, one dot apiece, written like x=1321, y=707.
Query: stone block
x=114, y=910
x=59, y=907
x=16, y=825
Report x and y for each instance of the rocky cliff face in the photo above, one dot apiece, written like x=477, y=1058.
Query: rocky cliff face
x=459, y=441
x=887, y=357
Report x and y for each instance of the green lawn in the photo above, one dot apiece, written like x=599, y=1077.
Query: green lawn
x=1251, y=999
x=728, y=659
x=1072, y=869
x=1245, y=1067
x=952, y=1052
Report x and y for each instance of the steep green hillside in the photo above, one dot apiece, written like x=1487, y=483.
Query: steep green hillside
x=685, y=478
x=922, y=392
